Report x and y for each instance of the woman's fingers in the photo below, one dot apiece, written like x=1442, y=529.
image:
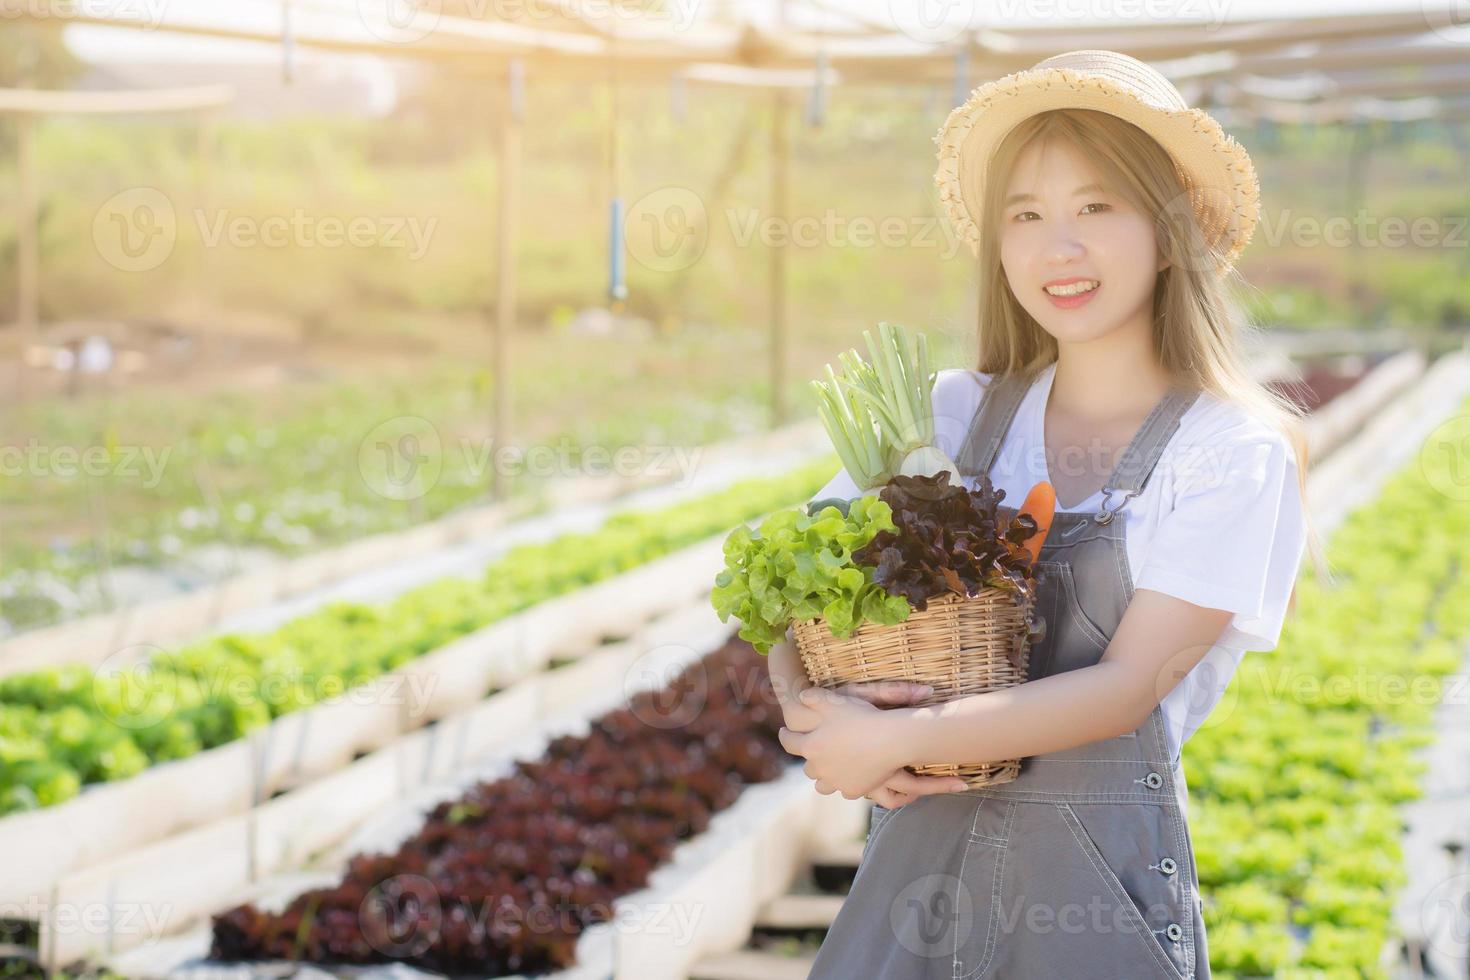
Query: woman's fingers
x=905, y=787
x=887, y=693
x=904, y=781
x=889, y=799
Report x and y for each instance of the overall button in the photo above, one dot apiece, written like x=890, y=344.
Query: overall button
x=1167, y=866
x=1174, y=932
x=1153, y=780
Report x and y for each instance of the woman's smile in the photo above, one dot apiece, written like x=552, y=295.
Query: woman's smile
x=1080, y=292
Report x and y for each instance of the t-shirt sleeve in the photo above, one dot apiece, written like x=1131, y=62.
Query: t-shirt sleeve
x=1235, y=537
x=841, y=485
x=952, y=400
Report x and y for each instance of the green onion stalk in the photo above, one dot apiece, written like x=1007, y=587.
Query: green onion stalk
x=878, y=413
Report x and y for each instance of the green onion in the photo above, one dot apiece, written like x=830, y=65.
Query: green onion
x=878, y=414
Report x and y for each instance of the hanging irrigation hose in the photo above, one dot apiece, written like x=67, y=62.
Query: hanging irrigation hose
x=617, y=289
x=1266, y=134
x=816, y=103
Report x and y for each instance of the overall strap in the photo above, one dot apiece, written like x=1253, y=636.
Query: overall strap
x=1143, y=453
x=998, y=404
x=1003, y=397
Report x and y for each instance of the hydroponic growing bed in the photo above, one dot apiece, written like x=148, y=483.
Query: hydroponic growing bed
x=505, y=879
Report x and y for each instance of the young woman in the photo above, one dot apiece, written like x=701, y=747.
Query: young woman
x=1105, y=215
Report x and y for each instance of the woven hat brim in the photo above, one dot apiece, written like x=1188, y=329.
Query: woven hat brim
x=1220, y=175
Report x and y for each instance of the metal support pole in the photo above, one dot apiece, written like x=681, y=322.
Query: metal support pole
x=508, y=185
x=780, y=210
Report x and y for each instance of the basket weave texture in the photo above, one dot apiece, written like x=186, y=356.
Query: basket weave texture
x=959, y=645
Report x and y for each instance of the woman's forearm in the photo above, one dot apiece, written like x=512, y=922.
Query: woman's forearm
x=1048, y=714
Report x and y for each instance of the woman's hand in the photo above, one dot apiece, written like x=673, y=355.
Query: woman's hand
x=854, y=747
x=903, y=787
x=900, y=786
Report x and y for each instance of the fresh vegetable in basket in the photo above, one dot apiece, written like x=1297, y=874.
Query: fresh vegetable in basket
x=878, y=414
x=800, y=566
x=917, y=539
x=948, y=539
x=1041, y=506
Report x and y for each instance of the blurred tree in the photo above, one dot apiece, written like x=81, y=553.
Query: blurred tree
x=34, y=54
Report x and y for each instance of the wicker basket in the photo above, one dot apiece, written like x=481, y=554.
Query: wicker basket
x=959, y=645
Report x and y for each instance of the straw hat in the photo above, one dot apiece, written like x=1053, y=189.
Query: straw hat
x=1215, y=170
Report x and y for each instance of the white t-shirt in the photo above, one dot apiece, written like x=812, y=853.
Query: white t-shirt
x=1219, y=524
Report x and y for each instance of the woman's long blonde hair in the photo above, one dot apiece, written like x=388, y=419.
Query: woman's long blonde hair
x=1198, y=331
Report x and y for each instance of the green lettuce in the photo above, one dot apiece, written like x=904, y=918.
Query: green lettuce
x=799, y=566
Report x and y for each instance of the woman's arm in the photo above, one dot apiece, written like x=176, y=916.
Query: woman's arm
x=1158, y=641
x=788, y=677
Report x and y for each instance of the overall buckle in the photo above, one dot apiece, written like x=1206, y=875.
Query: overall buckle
x=1105, y=516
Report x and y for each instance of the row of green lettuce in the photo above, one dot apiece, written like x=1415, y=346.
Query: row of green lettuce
x=1297, y=776
x=63, y=728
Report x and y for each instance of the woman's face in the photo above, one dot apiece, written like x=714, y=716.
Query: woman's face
x=1057, y=227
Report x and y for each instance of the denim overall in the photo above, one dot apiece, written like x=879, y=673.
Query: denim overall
x=1082, y=867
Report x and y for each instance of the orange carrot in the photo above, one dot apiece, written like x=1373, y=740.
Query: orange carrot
x=1041, y=505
